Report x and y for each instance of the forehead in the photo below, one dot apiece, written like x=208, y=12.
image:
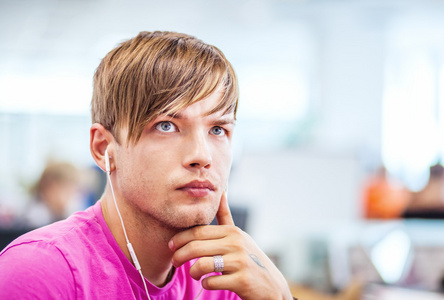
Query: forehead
x=213, y=106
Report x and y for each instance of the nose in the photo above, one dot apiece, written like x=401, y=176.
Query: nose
x=197, y=152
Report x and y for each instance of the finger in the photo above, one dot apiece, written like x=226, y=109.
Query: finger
x=205, y=265
x=202, y=266
x=206, y=232
x=195, y=249
x=224, y=282
x=223, y=214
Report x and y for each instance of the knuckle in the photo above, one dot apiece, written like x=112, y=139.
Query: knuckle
x=237, y=235
x=196, y=270
x=242, y=263
x=209, y=265
x=238, y=263
x=202, y=266
x=177, y=259
x=234, y=230
x=244, y=280
x=236, y=247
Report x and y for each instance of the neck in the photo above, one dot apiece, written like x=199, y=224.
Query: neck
x=150, y=242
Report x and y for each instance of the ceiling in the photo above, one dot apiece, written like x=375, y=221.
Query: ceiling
x=62, y=41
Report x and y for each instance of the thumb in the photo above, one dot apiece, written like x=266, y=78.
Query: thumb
x=223, y=214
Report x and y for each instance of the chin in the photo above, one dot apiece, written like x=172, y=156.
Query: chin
x=182, y=217
x=197, y=219
x=200, y=221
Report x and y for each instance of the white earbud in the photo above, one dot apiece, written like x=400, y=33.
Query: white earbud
x=107, y=167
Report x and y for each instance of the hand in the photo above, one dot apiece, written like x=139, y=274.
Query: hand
x=248, y=272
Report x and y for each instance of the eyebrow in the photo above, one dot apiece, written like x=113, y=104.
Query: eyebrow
x=223, y=120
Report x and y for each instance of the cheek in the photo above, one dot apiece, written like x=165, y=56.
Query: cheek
x=224, y=159
x=145, y=172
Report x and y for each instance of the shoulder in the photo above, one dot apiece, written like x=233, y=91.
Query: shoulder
x=41, y=264
x=35, y=270
x=61, y=233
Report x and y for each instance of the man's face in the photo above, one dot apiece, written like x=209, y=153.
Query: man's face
x=176, y=173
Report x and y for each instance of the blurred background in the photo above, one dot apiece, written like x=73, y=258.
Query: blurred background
x=339, y=142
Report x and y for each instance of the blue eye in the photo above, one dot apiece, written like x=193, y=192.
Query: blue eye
x=166, y=126
x=217, y=130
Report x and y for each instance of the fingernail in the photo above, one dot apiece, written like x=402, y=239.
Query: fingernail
x=171, y=245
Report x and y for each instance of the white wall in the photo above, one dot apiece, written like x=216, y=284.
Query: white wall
x=294, y=195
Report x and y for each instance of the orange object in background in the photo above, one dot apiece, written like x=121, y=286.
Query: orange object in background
x=384, y=199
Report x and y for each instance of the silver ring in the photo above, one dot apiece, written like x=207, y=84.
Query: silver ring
x=218, y=263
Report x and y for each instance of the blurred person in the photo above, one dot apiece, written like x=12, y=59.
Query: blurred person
x=384, y=198
x=429, y=202
x=163, y=110
x=55, y=195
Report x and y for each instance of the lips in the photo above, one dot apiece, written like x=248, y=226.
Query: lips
x=198, y=188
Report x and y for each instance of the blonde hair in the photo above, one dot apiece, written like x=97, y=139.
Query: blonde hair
x=158, y=73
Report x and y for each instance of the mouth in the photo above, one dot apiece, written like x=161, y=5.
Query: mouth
x=197, y=188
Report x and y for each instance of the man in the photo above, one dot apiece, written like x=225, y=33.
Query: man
x=163, y=111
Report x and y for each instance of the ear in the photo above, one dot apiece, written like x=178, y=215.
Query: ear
x=100, y=140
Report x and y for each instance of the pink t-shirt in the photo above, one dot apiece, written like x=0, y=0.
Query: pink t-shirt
x=79, y=258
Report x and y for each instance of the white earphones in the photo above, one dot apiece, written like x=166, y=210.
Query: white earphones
x=107, y=167
x=128, y=244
